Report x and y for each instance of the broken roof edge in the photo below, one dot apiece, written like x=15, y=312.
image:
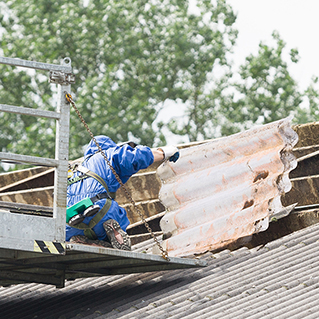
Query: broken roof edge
x=266, y=150
x=288, y=136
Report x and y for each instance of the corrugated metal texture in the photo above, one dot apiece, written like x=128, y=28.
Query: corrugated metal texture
x=226, y=189
x=279, y=280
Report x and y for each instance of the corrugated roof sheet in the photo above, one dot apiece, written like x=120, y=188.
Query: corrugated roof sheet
x=279, y=280
x=226, y=189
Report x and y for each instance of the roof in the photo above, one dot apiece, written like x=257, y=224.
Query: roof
x=227, y=188
x=278, y=280
x=273, y=279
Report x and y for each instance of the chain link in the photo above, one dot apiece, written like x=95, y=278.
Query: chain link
x=127, y=193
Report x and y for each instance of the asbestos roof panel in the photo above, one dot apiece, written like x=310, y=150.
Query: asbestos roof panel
x=226, y=189
x=279, y=280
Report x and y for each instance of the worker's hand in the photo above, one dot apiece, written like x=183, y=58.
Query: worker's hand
x=171, y=153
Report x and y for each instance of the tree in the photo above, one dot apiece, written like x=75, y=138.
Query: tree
x=262, y=91
x=265, y=92
x=309, y=111
x=128, y=56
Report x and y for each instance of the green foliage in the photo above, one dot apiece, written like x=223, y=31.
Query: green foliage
x=128, y=56
x=208, y=76
x=311, y=112
x=265, y=92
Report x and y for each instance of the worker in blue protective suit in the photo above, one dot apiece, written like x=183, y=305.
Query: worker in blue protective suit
x=94, y=179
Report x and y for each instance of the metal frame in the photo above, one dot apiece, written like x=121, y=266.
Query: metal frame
x=23, y=232
x=82, y=261
x=33, y=248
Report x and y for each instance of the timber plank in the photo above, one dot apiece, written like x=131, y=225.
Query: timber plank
x=41, y=179
x=304, y=191
x=17, y=176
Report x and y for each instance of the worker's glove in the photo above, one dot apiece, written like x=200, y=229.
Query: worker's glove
x=171, y=153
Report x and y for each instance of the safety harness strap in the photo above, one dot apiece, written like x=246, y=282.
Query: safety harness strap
x=88, y=231
x=76, y=179
x=88, y=228
x=87, y=173
x=99, y=196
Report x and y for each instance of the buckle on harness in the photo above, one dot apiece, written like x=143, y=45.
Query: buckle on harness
x=77, y=212
x=84, y=208
x=78, y=218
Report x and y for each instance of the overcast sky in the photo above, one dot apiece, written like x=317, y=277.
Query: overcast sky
x=296, y=21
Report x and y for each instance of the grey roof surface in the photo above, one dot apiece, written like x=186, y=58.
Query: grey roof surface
x=278, y=280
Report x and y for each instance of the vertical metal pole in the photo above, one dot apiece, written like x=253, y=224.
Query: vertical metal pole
x=61, y=154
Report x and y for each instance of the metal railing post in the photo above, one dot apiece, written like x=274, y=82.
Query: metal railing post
x=31, y=232
x=61, y=154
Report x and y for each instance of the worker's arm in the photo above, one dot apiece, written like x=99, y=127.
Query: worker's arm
x=167, y=152
x=158, y=154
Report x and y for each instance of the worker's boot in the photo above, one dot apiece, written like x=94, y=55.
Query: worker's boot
x=117, y=236
x=80, y=239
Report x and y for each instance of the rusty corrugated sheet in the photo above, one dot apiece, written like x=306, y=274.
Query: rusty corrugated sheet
x=226, y=189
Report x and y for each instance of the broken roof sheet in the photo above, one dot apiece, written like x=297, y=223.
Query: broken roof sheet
x=226, y=189
x=278, y=280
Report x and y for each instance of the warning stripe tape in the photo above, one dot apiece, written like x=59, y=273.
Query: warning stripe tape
x=49, y=247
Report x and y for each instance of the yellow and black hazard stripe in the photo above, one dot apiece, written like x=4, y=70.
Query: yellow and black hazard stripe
x=49, y=247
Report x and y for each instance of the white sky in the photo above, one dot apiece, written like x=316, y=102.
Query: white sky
x=296, y=21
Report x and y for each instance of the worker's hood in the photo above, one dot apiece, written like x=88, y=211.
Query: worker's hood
x=104, y=141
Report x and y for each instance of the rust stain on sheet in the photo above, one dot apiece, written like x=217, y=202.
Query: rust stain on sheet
x=248, y=203
x=225, y=189
x=261, y=175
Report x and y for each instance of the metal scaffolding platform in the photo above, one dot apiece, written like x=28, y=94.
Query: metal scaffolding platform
x=81, y=261
x=33, y=247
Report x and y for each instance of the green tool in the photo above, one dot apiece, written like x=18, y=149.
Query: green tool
x=78, y=208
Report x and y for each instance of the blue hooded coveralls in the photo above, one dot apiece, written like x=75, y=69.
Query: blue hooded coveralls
x=126, y=162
